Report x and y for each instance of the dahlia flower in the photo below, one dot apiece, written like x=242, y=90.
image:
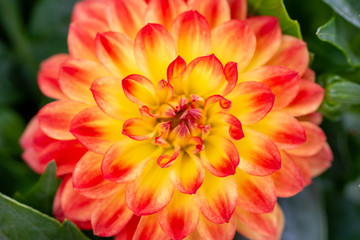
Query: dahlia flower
x=177, y=119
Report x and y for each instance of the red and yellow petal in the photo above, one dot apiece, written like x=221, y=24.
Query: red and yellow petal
x=140, y=90
x=238, y=9
x=192, y=35
x=149, y=229
x=84, y=10
x=213, y=231
x=180, y=217
x=127, y=233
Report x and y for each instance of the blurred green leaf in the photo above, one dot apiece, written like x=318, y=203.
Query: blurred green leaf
x=19, y=222
x=344, y=36
x=348, y=9
x=11, y=127
x=42, y=194
x=344, y=92
x=275, y=8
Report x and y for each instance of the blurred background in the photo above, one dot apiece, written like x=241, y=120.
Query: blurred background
x=32, y=30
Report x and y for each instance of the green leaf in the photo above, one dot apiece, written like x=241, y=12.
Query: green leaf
x=42, y=194
x=19, y=222
x=275, y=8
x=344, y=36
x=11, y=127
x=348, y=9
x=344, y=92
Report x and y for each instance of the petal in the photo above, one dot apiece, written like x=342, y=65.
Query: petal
x=292, y=54
x=220, y=156
x=140, y=90
x=256, y=194
x=213, y=231
x=164, y=11
x=94, y=9
x=175, y=69
x=88, y=178
x=76, y=77
x=251, y=101
x=150, y=192
x=126, y=160
x=234, y=41
x=238, y=9
x=139, y=129
x=110, y=215
x=216, y=11
x=217, y=198
x=315, y=139
x=95, y=130
x=187, y=174
x=308, y=99
x=180, y=217
x=154, y=51
x=109, y=96
x=116, y=52
x=268, y=39
x=288, y=180
x=285, y=130
x=126, y=16
x=259, y=155
x=149, y=229
x=48, y=76
x=283, y=82
x=309, y=75
x=54, y=118
x=192, y=35
x=127, y=233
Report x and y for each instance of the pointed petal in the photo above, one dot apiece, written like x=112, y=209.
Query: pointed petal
x=292, y=54
x=180, y=217
x=150, y=192
x=251, y=101
x=234, y=41
x=126, y=160
x=110, y=215
x=217, y=198
x=154, y=51
x=238, y=9
x=95, y=130
x=192, y=35
x=216, y=11
x=76, y=77
x=213, y=231
x=116, y=52
x=256, y=194
x=259, y=155
x=164, y=11
x=149, y=229
x=94, y=9
x=127, y=233
x=55, y=117
x=175, y=69
x=283, y=82
x=285, y=130
x=288, y=180
x=140, y=90
x=48, y=76
x=139, y=129
x=187, y=174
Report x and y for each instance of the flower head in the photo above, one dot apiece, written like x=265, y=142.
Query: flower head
x=177, y=119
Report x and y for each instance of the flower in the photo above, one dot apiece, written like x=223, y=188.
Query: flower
x=177, y=119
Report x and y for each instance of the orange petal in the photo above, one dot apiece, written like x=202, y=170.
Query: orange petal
x=94, y=9
x=292, y=54
x=288, y=180
x=149, y=229
x=234, y=41
x=88, y=178
x=314, y=117
x=308, y=99
x=54, y=118
x=127, y=233
x=95, y=130
x=140, y=90
x=259, y=155
x=164, y=11
x=256, y=194
x=180, y=217
x=238, y=9
x=315, y=139
x=126, y=16
x=150, y=192
x=76, y=77
x=309, y=75
x=110, y=215
x=220, y=156
x=110, y=98
x=251, y=101
x=116, y=52
x=217, y=198
x=285, y=130
x=124, y=161
x=154, y=51
x=216, y=11
x=48, y=76
x=213, y=231
x=192, y=35
x=268, y=39
x=283, y=82
x=187, y=174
